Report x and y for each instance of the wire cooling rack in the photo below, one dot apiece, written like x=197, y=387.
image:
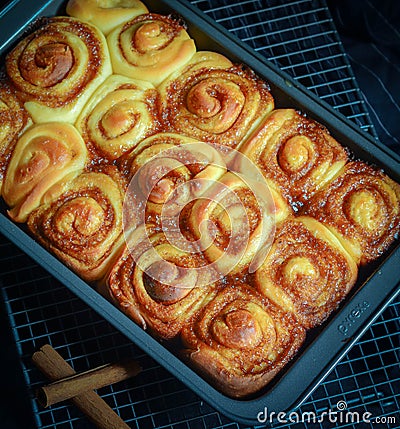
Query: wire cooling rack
x=300, y=38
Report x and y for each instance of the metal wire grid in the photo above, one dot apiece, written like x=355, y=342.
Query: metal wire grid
x=300, y=38
x=43, y=311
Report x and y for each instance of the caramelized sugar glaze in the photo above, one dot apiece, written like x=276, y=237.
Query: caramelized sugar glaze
x=165, y=177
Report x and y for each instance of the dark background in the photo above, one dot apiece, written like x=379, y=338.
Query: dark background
x=370, y=32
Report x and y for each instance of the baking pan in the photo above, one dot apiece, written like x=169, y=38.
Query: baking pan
x=377, y=284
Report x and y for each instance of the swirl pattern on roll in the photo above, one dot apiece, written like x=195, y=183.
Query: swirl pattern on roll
x=296, y=152
x=215, y=105
x=234, y=222
x=56, y=68
x=169, y=171
x=150, y=47
x=307, y=271
x=80, y=221
x=105, y=14
x=240, y=340
x=362, y=207
x=44, y=155
x=159, y=286
x=120, y=114
x=13, y=120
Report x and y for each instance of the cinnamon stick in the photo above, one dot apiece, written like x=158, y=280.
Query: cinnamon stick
x=93, y=379
x=89, y=402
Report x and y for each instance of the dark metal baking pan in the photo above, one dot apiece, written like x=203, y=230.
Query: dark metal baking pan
x=377, y=284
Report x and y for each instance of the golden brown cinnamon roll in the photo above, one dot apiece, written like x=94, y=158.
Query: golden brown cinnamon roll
x=215, y=104
x=307, y=271
x=168, y=171
x=80, y=221
x=150, y=47
x=158, y=285
x=57, y=68
x=44, y=155
x=362, y=208
x=105, y=14
x=13, y=120
x=296, y=152
x=206, y=60
x=240, y=341
x=234, y=222
x=120, y=114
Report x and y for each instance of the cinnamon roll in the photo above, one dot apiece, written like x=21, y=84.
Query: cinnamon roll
x=105, y=14
x=206, y=60
x=158, y=285
x=216, y=105
x=362, y=208
x=168, y=171
x=57, y=68
x=296, y=152
x=14, y=119
x=80, y=221
x=307, y=271
x=120, y=114
x=150, y=47
x=240, y=341
x=234, y=222
x=44, y=155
